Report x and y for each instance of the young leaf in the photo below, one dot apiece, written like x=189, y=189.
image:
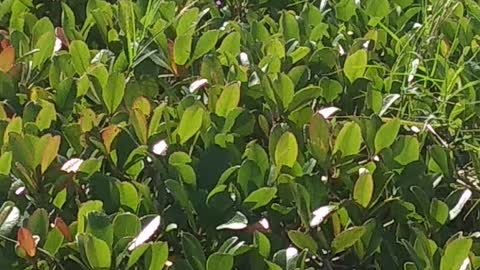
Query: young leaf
x=349, y=140
x=80, y=56
x=7, y=59
x=190, y=123
x=231, y=44
x=205, y=44
x=289, y=26
x=5, y=163
x=286, y=150
x=26, y=242
x=228, y=99
x=355, y=65
x=46, y=45
x=182, y=49
x=455, y=253
x=139, y=123
x=50, y=152
x=386, y=135
x=363, y=190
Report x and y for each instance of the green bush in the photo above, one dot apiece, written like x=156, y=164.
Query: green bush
x=239, y=134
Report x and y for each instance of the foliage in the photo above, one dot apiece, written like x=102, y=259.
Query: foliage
x=239, y=134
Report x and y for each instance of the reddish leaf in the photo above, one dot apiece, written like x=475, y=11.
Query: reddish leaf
x=26, y=242
x=108, y=135
x=172, y=58
x=7, y=59
x=63, y=228
x=60, y=34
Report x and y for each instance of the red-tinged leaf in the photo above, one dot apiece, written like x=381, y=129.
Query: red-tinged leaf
x=26, y=242
x=108, y=135
x=7, y=59
x=60, y=34
x=173, y=65
x=63, y=228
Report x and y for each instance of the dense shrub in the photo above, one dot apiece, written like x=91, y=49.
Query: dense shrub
x=239, y=134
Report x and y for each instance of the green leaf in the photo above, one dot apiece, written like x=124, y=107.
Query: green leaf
x=319, y=133
x=262, y=243
x=80, y=56
x=220, y=262
x=46, y=116
x=187, y=22
x=129, y=198
x=84, y=210
x=409, y=150
x=179, y=158
x=136, y=254
x=299, y=54
x=331, y=89
x=286, y=151
x=45, y=44
x=231, y=44
x=190, y=123
x=386, y=135
x=155, y=120
x=126, y=225
x=9, y=217
x=97, y=252
x=439, y=211
x=347, y=238
x=98, y=224
x=355, y=65
x=50, y=152
x=377, y=8
x=284, y=88
x=158, y=255
x=228, y=100
x=206, y=43
x=303, y=241
x=345, y=9
x=303, y=97
x=38, y=224
x=455, y=253
x=349, y=140
x=193, y=251
x=139, y=123
x=113, y=93
x=22, y=150
x=54, y=241
x=6, y=163
x=260, y=197
x=182, y=49
x=289, y=26
x=363, y=190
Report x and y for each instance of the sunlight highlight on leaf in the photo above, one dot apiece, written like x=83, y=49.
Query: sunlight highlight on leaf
x=145, y=234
